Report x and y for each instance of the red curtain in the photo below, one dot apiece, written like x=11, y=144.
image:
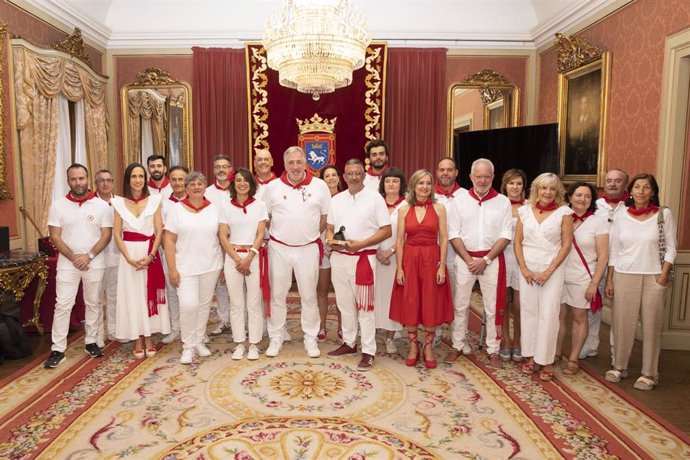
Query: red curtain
x=220, y=107
x=415, y=107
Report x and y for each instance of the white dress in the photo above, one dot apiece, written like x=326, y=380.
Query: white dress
x=384, y=279
x=577, y=278
x=132, y=307
x=512, y=268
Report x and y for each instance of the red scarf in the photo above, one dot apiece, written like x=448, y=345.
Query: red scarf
x=372, y=173
x=164, y=184
x=137, y=200
x=615, y=201
x=188, y=203
x=80, y=201
x=364, y=279
x=424, y=203
x=244, y=205
x=174, y=199
x=549, y=207
x=395, y=203
x=305, y=181
x=583, y=217
x=155, y=278
x=215, y=184
x=264, y=182
x=641, y=212
x=521, y=201
x=490, y=194
x=439, y=191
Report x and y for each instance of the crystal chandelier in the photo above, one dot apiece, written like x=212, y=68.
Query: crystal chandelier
x=315, y=45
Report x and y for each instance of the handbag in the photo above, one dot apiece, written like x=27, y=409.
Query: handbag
x=598, y=303
x=662, y=243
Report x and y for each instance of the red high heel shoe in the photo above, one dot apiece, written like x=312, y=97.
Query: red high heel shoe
x=429, y=342
x=412, y=335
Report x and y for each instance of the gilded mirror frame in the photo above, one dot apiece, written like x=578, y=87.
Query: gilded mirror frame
x=493, y=87
x=158, y=79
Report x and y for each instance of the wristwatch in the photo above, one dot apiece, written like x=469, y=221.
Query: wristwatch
x=91, y=255
x=487, y=260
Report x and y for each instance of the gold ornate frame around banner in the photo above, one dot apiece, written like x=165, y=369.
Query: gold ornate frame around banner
x=5, y=193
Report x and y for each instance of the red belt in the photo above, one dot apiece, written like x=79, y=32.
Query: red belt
x=364, y=279
x=155, y=277
x=264, y=279
x=501, y=295
x=317, y=241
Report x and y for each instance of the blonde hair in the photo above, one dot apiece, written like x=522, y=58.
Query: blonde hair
x=547, y=180
x=412, y=184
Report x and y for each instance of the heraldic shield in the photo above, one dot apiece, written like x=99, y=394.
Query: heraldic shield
x=317, y=138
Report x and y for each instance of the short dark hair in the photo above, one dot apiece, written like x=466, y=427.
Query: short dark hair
x=354, y=161
x=655, y=189
x=222, y=157
x=178, y=168
x=127, y=188
x=246, y=175
x=393, y=172
x=337, y=172
x=155, y=157
x=376, y=143
x=592, y=189
x=76, y=166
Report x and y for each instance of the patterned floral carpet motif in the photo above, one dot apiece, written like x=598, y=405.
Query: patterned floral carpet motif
x=300, y=408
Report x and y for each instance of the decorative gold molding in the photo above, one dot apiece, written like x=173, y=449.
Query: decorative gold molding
x=74, y=46
x=5, y=193
x=316, y=124
x=154, y=77
x=490, y=95
x=373, y=96
x=485, y=79
x=574, y=52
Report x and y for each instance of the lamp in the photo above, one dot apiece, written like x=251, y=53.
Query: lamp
x=315, y=45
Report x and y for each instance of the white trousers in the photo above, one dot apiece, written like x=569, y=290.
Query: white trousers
x=343, y=268
x=195, y=294
x=109, y=299
x=171, y=298
x=304, y=261
x=245, y=298
x=539, y=310
x=461, y=301
x=223, y=302
x=66, y=287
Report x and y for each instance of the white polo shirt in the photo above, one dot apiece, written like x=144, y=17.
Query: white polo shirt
x=479, y=226
x=164, y=191
x=607, y=212
x=168, y=205
x=243, y=226
x=296, y=212
x=372, y=181
x=362, y=214
x=111, y=253
x=197, y=249
x=445, y=201
x=216, y=194
x=81, y=227
x=261, y=188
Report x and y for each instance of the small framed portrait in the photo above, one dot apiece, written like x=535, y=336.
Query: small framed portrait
x=495, y=115
x=582, y=120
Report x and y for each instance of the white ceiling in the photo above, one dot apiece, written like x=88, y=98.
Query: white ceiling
x=524, y=24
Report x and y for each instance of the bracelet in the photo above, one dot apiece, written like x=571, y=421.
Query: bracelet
x=254, y=250
x=152, y=257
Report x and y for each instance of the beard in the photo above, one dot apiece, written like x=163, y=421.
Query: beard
x=79, y=190
x=157, y=176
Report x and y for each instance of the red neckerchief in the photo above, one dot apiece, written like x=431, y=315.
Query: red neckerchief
x=264, y=182
x=439, y=191
x=521, y=201
x=424, y=203
x=215, y=184
x=164, y=184
x=583, y=217
x=490, y=194
x=371, y=172
x=244, y=205
x=188, y=203
x=137, y=200
x=395, y=203
x=88, y=196
x=174, y=199
x=641, y=212
x=615, y=201
x=305, y=181
x=549, y=207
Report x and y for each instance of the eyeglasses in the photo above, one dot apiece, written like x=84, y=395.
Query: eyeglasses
x=223, y=167
x=107, y=181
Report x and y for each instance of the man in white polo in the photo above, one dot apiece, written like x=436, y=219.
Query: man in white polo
x=479, y=228
x=263, y=171
x=364, y=218
x=377, y=153
x=80, y=227
x=297, y=204
x=158, y=181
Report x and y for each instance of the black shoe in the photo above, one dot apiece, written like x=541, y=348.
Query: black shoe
x=55, y=358
x=93, y=350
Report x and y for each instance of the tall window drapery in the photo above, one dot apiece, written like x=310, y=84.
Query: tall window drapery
x=220, y=107
x=415, y=107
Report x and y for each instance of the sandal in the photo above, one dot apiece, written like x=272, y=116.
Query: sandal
x=571, y=368
x=645, y=383
x=151, y=352
x=545, y=376
x=528, y=367
x=615, y=375
x=139, y=354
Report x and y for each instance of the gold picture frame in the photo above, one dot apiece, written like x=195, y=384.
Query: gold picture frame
x=583, y=96
x=5, y=192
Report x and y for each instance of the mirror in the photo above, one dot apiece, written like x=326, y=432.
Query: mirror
x=156, y=118
x=484, y=100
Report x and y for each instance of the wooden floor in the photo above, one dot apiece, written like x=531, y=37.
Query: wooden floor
x=670, y=400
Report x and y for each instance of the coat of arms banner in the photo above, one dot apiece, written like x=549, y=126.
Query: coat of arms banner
x=280, y=117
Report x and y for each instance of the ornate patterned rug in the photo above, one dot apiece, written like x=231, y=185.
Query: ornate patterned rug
x=300, y=408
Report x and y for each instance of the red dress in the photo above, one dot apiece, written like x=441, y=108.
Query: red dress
x=421, y=300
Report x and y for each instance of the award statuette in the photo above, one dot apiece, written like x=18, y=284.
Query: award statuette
x=338, y=238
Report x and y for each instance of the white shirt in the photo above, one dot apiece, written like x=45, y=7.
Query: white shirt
x=81, y=227
x=608, y=212
x=585, y=235
x=168, y=205
x=635, y=244
x=165, y=191
x=372, y=182
x=445, y=201
x=390, y=242
x=216, y=195
x=197, y=249
x=479, y=227
x=261, y=189
x=111, y=253
x=541, y=242
x=296, y=212
x=362, y=214
x=243, y=226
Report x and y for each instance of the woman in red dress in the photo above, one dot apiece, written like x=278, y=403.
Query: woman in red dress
x=421, y=296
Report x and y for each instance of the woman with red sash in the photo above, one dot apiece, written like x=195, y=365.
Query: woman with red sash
x=137, y=228
x=584, y=269
x=643, y=250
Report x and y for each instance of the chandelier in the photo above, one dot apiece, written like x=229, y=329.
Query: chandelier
x=315, y=45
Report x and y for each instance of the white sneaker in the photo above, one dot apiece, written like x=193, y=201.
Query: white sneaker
x=466, y=349
x=222, y=327
x=206, y=339
x=312, y=348
x=274, y=348
x=391, y=349
x=587, y=353
x=238, y=353
x=187, y=356
x=286, y=335
x=170, y=338
x=202, y=351
x=253, y=352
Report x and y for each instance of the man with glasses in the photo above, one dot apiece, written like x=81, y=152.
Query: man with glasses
x=158, y=182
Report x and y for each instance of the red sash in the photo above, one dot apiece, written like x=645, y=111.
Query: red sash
x=317, y=241
x=364, y=279
x=501, y=295
x=264, y=280
x=155, y=278
x=598, y=303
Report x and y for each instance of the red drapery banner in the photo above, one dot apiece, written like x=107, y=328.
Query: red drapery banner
x=220, y=107
x=415, y=107
x=342, y=121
